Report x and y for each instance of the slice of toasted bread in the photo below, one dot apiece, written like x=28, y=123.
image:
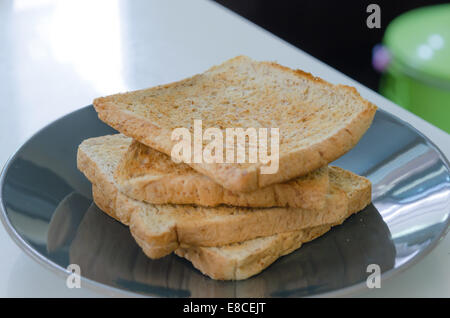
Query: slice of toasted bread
x=96, y=158
x=242, y=260
x=160, y=229
x=148, y=175
x=160, y=225
x=317, y=121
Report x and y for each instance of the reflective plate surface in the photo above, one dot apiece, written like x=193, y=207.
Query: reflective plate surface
x=47, y=209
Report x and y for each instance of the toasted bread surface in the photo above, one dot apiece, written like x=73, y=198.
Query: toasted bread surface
x=148, y=175
x=317, y=121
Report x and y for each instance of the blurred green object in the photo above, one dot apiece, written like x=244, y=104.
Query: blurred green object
x=417, y=76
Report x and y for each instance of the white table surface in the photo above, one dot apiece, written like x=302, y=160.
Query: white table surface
x=56, y=56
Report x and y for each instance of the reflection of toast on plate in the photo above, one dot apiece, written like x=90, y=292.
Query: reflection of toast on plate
x=106, y=252
x=231, y=220
x=64, y=222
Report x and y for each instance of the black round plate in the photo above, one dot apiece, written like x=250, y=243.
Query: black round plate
x=47, y=209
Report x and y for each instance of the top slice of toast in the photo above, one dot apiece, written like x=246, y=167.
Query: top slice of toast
x=317, y=121
x=148, y=175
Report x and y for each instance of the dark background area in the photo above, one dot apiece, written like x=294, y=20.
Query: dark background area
x=335, y=32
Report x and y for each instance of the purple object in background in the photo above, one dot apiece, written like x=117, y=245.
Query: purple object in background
x=380, y=57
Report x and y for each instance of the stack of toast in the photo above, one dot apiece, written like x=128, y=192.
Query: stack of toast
x=229, y=219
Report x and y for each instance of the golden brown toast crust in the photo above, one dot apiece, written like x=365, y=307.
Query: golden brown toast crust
x=219, y=265
x=225, y=225
x=147, y=175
